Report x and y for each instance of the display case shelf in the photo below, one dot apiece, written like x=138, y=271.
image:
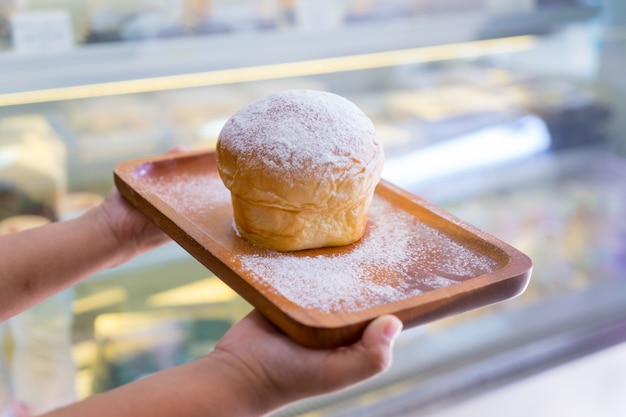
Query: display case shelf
x=122, y=61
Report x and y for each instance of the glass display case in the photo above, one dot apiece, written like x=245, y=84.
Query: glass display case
x=508, y=114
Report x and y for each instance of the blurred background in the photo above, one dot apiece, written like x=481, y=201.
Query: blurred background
x=510, y=114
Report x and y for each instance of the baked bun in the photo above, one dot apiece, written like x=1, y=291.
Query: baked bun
x=301, y=166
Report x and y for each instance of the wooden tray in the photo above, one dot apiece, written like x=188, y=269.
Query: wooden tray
x=415, y=261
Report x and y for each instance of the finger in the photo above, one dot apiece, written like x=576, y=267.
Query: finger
x=177, y=149
x=257, y=320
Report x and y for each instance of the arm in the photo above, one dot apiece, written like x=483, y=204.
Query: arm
x=40, y=262
x=254, y=369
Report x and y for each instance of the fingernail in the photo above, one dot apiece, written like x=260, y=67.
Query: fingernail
x=392, y=329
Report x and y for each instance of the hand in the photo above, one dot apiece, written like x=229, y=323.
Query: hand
x=134, y=232
x=277, y=371
x=70, y=251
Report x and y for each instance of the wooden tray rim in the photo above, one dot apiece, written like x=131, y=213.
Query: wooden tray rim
x=518, y=265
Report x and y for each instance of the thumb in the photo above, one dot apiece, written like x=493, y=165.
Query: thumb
x=378, y=339
x=351, y=364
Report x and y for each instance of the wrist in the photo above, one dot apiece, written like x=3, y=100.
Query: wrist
x=110, y=240
x=243, y=390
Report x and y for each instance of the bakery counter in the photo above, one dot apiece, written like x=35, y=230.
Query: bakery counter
x=593, y=385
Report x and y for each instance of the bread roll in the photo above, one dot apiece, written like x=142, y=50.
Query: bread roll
x=301, y=166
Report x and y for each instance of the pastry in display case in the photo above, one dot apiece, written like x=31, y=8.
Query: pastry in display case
x=32, y=167
x=195, y=117
x=98, y=132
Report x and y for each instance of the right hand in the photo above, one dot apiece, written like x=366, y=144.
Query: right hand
x=278, y=370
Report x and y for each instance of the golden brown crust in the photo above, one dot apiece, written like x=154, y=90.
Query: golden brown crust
x=301, y=166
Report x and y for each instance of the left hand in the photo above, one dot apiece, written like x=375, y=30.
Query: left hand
x=134, y=232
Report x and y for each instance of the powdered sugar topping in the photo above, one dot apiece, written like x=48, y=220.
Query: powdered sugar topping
x=295, y=135
x=399, y=258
